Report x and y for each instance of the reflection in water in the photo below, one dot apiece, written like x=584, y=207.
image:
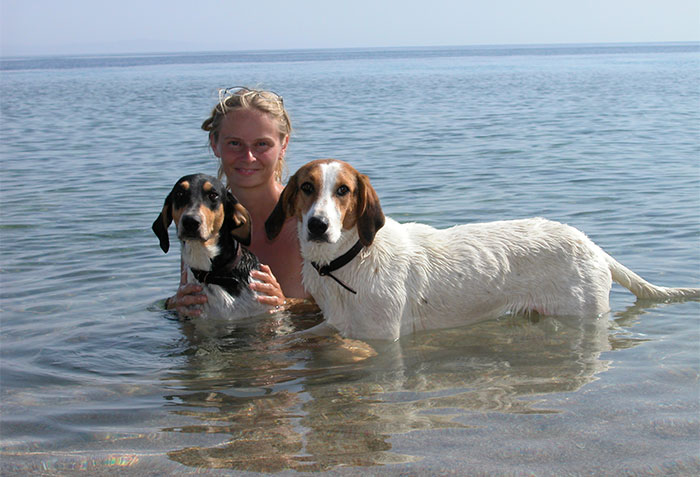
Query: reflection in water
x=256, y=403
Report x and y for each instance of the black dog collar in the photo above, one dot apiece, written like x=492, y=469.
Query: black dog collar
x=225, y=275
x=338, y=263
x=212, y=278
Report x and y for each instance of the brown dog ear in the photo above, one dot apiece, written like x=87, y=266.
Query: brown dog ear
x=241, y=224
x=283, y=210
x=370, y=217
x=161, y=224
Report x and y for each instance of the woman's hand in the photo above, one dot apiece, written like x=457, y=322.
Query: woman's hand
x=269, y=291
x=188, y=300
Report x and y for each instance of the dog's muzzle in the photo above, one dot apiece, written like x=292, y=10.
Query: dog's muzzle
x=317, y=227
x=190, y=227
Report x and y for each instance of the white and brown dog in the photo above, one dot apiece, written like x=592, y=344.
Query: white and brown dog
x=374, y=278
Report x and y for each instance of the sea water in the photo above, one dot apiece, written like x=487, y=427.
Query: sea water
x=96, y=377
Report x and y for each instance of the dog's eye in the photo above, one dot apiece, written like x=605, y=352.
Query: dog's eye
x=213, y=196
x=179, y=194
x=307, y=188
x=342, y=190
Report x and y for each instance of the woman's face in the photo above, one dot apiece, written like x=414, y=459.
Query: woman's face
x=250, y=148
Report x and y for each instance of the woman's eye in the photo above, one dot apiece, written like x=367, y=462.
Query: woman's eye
x=342, y=190
x=307, y=188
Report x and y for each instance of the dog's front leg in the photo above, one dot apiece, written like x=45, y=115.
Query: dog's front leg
x=322, y=329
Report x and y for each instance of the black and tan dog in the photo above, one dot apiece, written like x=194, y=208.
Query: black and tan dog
x=211, y=226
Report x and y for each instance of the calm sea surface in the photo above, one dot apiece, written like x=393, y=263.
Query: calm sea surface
x=95, y=378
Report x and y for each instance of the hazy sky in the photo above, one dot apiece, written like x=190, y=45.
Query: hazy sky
x=29, y=27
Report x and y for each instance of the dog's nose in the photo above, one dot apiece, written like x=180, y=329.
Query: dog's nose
x=317, y=226
x=190, y=224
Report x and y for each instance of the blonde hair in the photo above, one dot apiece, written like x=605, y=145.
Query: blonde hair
x=245, y=98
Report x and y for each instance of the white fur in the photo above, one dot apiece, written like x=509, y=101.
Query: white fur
x=197, y=255
x=326, y=207
x=414, y=277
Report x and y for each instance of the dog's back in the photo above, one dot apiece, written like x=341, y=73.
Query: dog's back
x=489, y=269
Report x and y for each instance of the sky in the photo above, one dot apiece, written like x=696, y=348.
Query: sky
x=59, y=27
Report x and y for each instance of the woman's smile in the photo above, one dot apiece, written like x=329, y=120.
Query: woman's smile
x=245, y=171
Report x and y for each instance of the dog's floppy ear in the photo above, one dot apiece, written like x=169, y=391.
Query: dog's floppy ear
x=370, y=217
x=241, y=224
x=283, y=210
x=161, y=224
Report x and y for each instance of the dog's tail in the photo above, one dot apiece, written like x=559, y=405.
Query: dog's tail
x=645, y=290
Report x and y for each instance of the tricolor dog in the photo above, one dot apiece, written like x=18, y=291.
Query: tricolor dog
x=211, y=226
x=375, y=278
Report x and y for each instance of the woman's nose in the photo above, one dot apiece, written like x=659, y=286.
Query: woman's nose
x=247, y=153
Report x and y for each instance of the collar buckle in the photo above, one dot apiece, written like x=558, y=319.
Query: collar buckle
x=340, y=262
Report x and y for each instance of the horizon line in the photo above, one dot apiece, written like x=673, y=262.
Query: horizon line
x=128, y=53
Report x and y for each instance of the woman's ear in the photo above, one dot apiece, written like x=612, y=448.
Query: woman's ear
x=213, y=143
x=370, y=217
x=284, y=209
x=285, y=143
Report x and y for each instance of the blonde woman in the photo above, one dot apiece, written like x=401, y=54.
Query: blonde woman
x=249, y=132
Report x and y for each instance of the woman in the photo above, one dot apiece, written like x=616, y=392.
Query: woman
x=249, y=133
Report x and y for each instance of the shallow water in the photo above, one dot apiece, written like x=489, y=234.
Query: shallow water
x=95, y=377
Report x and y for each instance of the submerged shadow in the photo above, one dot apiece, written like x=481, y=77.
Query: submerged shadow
x=248, y=401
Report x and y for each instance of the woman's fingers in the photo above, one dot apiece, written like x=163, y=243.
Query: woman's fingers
x=188, y=300
x=268, y=289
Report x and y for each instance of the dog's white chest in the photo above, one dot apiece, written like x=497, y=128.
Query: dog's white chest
x=199, y=256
